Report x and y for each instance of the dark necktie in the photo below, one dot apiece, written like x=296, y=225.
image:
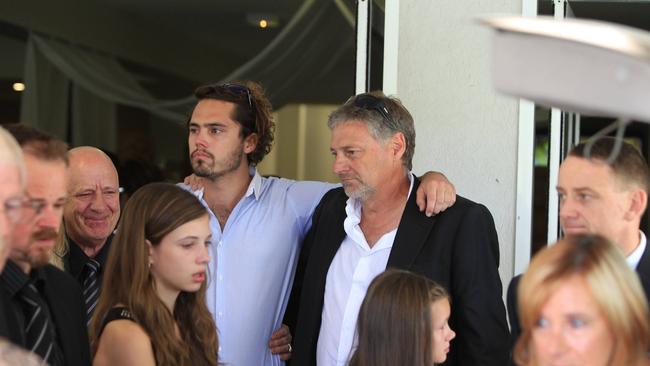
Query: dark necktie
x=91, y=287
x=39, y=329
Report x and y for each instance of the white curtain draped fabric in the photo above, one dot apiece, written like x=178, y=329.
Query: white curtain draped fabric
x=45, y=100
x=93, y=119
x=103, y=76
x=72, y=91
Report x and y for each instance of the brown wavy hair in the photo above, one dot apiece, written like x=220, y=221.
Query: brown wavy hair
x=153, y=212
x=395, y=320
x=256, y=118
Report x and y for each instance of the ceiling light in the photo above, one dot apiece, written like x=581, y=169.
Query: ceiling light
x=18, y=87
x=262, y=21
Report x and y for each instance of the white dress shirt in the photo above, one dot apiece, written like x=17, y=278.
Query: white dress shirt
x=354, y=266
x=635, y=257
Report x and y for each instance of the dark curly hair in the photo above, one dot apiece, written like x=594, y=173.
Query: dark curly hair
x=253, y=111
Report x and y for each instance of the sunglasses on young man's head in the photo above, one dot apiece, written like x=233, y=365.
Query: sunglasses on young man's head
x=239, y=89
x=209, y=91
x=218, y=91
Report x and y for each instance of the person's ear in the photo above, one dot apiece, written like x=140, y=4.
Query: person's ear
x=398, y=145
x=250, y=143
x=638, y=201
x=150, y=251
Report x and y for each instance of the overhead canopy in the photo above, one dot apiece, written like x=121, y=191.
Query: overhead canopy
x=584, y=66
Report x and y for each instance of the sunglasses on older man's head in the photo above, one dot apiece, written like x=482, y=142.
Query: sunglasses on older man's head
x=370, y=102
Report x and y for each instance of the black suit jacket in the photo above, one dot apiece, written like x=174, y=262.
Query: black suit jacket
x=63, y=296
x=458, y=249
x=642, y=269
x=5, y=330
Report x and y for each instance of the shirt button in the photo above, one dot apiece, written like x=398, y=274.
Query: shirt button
x=220, y=243
x=220, y=313
x=220, y=278
x=219, y=349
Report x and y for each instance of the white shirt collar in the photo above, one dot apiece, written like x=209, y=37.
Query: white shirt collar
x=254, y=187
x=353, y=205
x=635, y=257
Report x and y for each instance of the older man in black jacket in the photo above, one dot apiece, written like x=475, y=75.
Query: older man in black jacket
x=372, y=223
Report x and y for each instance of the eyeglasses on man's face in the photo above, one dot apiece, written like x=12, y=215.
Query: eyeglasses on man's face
x=22, y=209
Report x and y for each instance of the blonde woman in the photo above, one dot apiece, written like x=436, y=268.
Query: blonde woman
x=581, y=304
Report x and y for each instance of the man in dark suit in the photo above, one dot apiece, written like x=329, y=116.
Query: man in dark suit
x=372, y=223
x=89, y=217
x=605, y=199
x=43, y=305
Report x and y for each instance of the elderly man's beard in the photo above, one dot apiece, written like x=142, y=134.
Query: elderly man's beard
x=361, y=192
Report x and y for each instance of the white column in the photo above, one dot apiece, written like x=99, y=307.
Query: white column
x=554, y=153
x=391, y=46
x=464, y=128
x=525, y=171
x=363, y=7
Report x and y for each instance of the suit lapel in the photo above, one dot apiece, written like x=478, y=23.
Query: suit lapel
x=15, y=328
x=60, y=311
x=412, y=232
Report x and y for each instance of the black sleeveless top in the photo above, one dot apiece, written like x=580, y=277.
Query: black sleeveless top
x=117, y=313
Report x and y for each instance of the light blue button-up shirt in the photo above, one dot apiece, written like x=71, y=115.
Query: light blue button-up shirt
x=253, y=262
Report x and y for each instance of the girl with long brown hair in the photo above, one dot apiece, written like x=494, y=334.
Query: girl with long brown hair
x=152, y=306
x=403, y=321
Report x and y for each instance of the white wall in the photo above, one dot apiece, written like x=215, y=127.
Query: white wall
x=464, y=128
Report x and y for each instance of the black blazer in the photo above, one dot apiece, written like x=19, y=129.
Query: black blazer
x=458, y=249
x=643, y=270
x=63, y=296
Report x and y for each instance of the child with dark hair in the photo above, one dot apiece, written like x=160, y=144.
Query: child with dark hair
x=403, y=320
